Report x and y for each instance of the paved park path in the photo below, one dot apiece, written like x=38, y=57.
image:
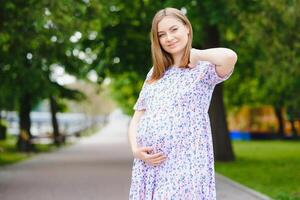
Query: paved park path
x=95, y=168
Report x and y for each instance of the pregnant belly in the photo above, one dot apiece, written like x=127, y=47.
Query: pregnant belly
x=158, y=133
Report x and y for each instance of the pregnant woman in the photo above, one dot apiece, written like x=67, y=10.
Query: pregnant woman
x=170, y=134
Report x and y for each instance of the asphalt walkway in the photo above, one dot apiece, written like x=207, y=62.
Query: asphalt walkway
x=95, y=168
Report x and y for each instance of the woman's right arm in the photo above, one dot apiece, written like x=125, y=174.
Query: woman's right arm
x=133, y=127
x=142, y=153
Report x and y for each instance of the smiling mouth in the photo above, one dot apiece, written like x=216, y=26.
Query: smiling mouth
x=173, y=44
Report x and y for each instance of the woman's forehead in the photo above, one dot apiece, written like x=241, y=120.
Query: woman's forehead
x=167, y=22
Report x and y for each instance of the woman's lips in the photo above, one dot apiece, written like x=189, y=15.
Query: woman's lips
x=172, y=45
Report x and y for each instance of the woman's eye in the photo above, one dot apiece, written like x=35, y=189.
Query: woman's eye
x=161, y=35
x=174, y=29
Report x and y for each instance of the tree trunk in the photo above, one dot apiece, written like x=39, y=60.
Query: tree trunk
x=278, y=113
x=24, y=140
x=222, y=144
x=56, y=135
x=3, y=129
x=291, y=114
x=294, y=130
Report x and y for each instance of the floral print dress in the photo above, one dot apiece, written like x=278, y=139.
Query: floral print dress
x=176, y=122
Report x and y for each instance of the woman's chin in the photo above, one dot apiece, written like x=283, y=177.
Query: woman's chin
x=174, y=50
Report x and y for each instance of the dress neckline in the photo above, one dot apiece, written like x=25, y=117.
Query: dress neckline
x=175, y=67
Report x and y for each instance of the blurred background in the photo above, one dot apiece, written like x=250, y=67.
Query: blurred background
x=66, y=65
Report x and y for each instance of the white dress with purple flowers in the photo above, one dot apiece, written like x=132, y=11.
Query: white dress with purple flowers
x=176, y=122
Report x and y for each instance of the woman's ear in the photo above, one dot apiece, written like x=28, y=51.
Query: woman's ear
x=187, y=29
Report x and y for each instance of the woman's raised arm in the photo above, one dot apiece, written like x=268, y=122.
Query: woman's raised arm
x=223, y=58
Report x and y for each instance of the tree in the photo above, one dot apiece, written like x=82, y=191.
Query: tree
x=60, y=92
x=35, y=37
x=268, y=45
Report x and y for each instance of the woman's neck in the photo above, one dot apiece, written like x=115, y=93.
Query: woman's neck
x=177, y=58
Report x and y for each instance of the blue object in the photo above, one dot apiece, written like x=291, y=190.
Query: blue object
x=239, y=135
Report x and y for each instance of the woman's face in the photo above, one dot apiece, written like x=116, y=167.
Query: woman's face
x=172, y=34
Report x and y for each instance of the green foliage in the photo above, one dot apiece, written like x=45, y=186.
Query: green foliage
x=127, y=57
x=267, y=55
x=124, y=88
x=114, y=37
x=36, y=39
x=268, y=43
x=37, y=36
x=3, y=123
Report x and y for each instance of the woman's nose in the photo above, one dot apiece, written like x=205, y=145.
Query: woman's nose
x=169, y=37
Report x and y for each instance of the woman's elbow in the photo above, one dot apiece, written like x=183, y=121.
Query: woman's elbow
x=231, y=57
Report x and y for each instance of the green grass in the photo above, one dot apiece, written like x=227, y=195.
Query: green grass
x=9, y=154
x=270, y=167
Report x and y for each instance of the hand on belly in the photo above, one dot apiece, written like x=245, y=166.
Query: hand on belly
x=144, y=153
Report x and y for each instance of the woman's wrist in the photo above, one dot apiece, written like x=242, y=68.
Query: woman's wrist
x=133, y=149
x=197, y=54
x=200, y=54
x=134, y=152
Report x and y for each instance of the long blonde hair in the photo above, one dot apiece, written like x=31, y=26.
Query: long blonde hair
x=161, y=59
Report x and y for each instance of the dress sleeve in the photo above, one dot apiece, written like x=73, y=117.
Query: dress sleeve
x=210, y=76
x=142, y=99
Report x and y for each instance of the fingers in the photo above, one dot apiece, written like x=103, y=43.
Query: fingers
x=156, y=159
x=191, y=65
x=156, y=155
x=152, y=159
x=162, y=158
x=146, y=149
